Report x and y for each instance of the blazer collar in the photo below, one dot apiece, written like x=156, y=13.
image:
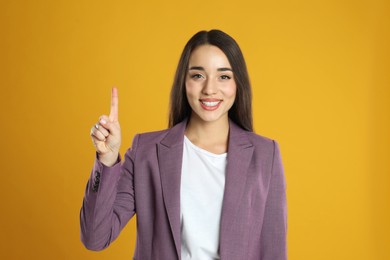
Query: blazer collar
x=175, y=136
x=240, y=151
x=237, y=136
x=170, y=156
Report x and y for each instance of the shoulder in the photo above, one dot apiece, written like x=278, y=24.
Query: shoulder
x=153, y=136
x=262, y=144
x=168, y=137
x=243, y=136
x=260, y=140
x=265, y=149
x=145, y=143
x=149, y=138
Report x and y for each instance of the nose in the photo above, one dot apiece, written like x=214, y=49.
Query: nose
x=209, y=88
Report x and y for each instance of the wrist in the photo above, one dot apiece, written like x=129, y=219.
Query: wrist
x=108, y=159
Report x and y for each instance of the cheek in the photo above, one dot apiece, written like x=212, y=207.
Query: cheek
x=190, y=89
x=230, y=91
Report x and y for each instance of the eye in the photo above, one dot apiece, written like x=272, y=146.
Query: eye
x=196, y=76
x=225, y=77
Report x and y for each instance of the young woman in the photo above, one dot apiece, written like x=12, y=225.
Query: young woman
x=207, y=187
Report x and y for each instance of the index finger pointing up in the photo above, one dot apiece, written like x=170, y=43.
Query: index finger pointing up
x=114, y=105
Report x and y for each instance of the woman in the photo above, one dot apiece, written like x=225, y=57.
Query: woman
x=207, y=187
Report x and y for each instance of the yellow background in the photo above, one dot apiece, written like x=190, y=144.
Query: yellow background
x=320, y=75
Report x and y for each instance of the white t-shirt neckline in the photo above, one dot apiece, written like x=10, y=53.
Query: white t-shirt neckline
x=201, y=150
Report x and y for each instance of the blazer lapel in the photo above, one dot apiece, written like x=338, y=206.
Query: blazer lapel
x=240, y=151
x=170, y=156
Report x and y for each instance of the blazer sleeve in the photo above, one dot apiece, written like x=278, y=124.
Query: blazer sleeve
x=108, y=202
x=274, y=230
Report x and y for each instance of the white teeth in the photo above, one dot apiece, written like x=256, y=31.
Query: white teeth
x=210, y=104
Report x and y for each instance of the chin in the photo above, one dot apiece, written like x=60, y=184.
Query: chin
x=210, y=118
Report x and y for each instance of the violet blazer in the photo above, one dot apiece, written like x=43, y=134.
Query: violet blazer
x=254, y=214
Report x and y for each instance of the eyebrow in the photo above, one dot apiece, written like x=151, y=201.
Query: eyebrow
x=201, y=68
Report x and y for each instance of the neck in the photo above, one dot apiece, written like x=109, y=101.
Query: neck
x=209, y=134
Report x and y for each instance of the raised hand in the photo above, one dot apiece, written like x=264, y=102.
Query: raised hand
x=106, y=134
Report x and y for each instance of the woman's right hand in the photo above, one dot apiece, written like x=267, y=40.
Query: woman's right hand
x=106, y=134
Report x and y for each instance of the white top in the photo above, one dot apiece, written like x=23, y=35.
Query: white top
x=201, y=194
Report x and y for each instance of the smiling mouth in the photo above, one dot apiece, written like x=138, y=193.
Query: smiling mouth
x=210, y=105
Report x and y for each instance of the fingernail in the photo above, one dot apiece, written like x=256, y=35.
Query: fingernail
x=103, y=121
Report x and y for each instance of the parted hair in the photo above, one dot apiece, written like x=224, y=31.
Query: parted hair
x=241, y=111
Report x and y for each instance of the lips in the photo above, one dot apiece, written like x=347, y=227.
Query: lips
x=210, y=104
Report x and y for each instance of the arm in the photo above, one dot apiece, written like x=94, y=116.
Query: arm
x=109, y=197
x=108, y=202
x=274, y=230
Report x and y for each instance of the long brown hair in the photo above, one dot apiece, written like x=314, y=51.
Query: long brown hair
x=241, y=111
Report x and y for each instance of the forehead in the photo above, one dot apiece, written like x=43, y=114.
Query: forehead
x=208, y=55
